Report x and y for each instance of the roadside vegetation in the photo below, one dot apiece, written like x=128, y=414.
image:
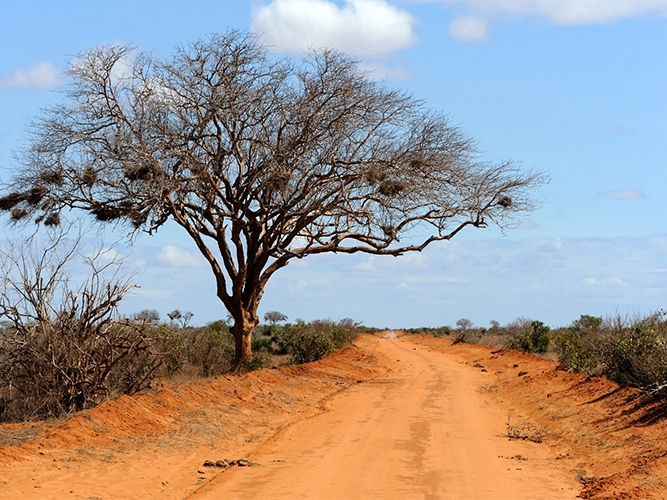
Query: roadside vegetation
x=631, y=350
x=65, y=347
x=49, y=370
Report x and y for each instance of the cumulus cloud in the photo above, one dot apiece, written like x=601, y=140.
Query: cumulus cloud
x=472, y=25
x=40, y=76
x=360, y=27
x=381, y=71
x=468, y=29
x=622, y=194
x=173, y=256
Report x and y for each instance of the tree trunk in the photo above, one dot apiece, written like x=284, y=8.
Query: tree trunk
x=242, y=329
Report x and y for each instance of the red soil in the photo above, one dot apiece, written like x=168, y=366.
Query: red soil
x=411, y=417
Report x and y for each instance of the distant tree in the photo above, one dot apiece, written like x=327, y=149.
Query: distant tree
x=586, y=322
x=260, y=161
x=494, y=324
x=182, y=318
x=274, y=317
x=464, y=324
x=147, y=316
x=464, y=333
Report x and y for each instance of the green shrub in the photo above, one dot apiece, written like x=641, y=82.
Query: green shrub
x=628, y=351
x=536, y=340
x=170, y=344
x=309, y=346
x=262, y=344
x=577, y=345
x=576, y=353
x=306, y=342
x=260, y=359
x=636, y=355
x=438, y=332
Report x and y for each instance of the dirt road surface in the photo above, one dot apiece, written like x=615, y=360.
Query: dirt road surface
x=422, y=430
x=395, y=417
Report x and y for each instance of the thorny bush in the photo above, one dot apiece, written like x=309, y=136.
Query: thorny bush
x=64, y=348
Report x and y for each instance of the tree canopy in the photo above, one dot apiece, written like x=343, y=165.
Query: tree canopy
x=259, y=159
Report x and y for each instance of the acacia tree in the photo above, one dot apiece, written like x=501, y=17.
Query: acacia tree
x=260, y=160
x=274, y=317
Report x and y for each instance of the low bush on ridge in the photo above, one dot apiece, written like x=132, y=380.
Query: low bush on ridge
x=631, y=351
x=536, y=339
x=34, y=385
x=306, y=342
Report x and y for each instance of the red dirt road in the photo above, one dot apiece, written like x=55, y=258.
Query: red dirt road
x=422, y=430
x=402, y=418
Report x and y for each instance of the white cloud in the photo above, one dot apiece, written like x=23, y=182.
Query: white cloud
x=382, y=264
x=173, y=256
x=528, y=224
x=468, y=29
x=622, y=194
x=605, y=282
x=310, y=284
x=568, y=12
x=106, y=255
x=472, y=25
x=360, y=27
x=40, y=76
x=381, y=71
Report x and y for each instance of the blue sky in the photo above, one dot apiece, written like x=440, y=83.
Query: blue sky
x=575, y=88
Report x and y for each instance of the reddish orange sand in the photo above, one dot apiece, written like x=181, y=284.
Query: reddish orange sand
x=405, y=417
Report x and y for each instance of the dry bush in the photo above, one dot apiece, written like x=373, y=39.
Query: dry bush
x=210, y=349
x=525, y=431
x=63, y=348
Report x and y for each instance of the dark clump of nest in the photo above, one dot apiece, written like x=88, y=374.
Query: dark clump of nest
x=279, y=181
x=89, y=176
x=11, y=200
x=374, y=175
x=105, y=213
x=18, y=214
x=505, y=202
x=35, y=195
x=391, y=188
x=197, y=168
x=416, y=163
x=52, y=219
x=52, y=177
x=139, y=172
x=138, y=218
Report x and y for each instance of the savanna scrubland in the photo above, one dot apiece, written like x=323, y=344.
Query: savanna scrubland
x=369, y=413
x=261, y=160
